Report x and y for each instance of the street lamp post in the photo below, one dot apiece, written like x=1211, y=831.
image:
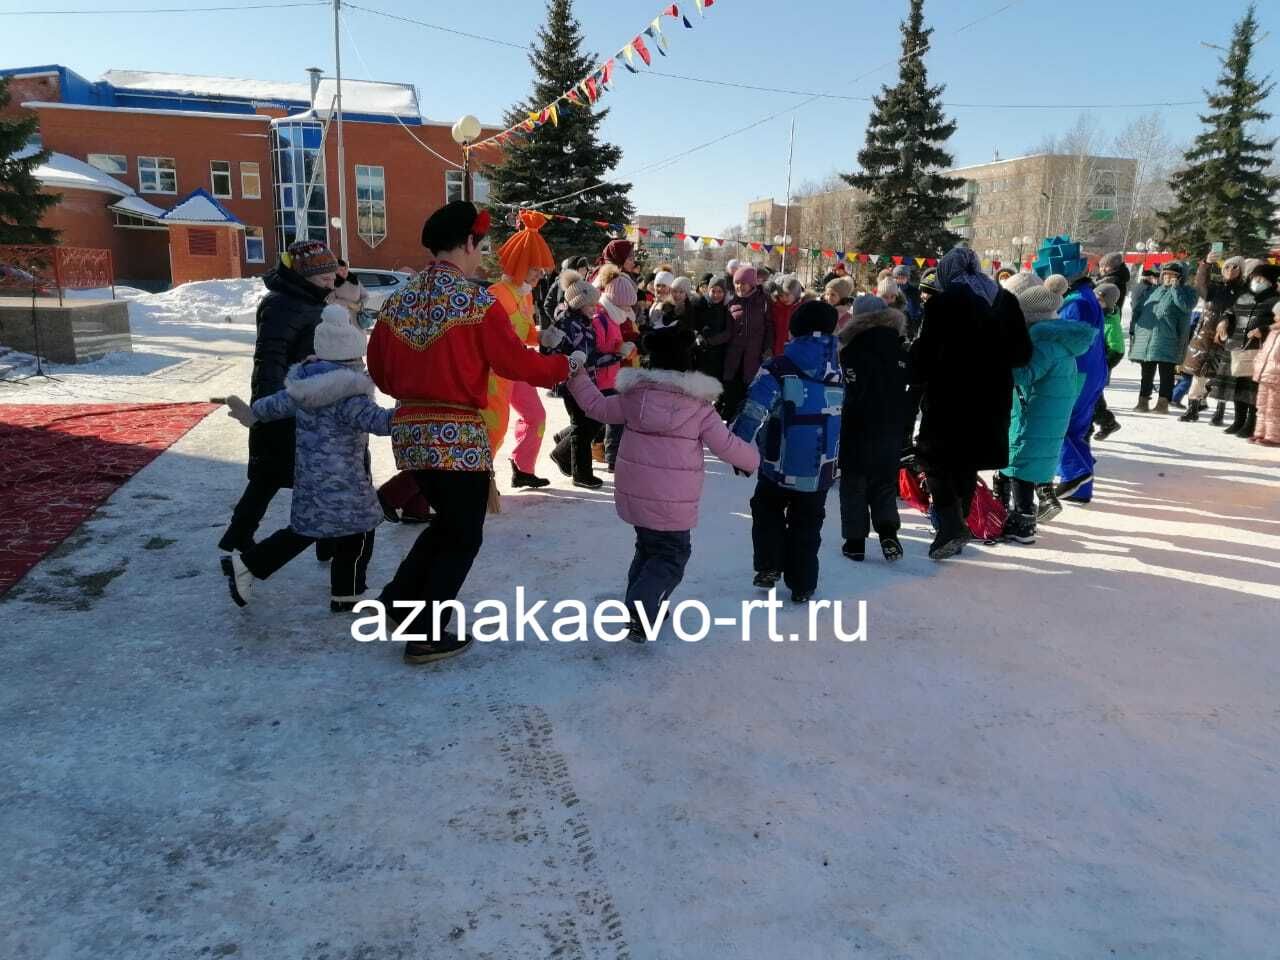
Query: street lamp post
x=785, y=240
x=465, y=132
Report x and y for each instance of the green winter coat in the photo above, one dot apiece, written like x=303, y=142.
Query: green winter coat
x=1161, y=322
x=1114, y=333
x=1044, y=391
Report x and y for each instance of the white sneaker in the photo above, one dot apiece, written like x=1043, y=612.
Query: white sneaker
x=239, y=579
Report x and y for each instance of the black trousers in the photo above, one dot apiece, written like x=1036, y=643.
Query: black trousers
x=1149, y=369
x=869, y=501
x=437, y=564
x=951, y=491
x=610, y=434
x=914, y=393
x=248, y=513
x=347, y=571
x=786, y=532
x=574, y=447
x=735, y=392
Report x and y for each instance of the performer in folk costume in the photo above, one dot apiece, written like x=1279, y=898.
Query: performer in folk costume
x=524, y=258
x=433, y=348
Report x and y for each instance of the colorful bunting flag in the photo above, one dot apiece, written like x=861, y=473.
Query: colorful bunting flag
x=919, y=261
x=642, y=50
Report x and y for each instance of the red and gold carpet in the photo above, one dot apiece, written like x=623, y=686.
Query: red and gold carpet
x=59, y=462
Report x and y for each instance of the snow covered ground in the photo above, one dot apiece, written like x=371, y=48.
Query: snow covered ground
x=1058, y=751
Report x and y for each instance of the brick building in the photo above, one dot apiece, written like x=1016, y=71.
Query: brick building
x=133, y=145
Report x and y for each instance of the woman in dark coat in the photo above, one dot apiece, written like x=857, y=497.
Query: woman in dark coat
x=287, y=318
x=1205, y=355
x=874, y=359
x=1243, y=330
x=972, y=337
x=712, y=319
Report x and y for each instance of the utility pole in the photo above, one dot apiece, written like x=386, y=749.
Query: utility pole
x=786, y=204
x=342, y=156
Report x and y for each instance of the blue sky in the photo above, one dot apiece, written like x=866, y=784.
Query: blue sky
x=1096, y=53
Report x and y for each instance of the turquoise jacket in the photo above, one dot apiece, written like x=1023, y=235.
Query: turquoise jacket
x=1161, y=322
x=1044, y=392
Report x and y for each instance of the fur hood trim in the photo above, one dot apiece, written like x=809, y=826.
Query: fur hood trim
x=315, y=385
x=890, y=317
x=693, y=384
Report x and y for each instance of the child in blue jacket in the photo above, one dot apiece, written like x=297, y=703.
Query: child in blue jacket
x=792, y=411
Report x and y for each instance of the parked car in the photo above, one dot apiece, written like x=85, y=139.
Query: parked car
x=379, y=284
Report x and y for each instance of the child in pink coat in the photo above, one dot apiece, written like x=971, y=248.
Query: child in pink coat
x=669, y=413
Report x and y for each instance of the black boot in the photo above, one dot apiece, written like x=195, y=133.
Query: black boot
x=1050, y=505
x=1002, y=487
x=1237, y=422
x=562, y=455
x=1020, y=528
x=1250, y=423
x=527, y=481
x=1219, y=414
x=855, y=550
x=953, y=534
x=1193, y=411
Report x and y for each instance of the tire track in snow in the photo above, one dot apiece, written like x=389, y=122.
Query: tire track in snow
x=592, y=929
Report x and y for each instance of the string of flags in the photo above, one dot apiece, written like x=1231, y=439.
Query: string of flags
x=587, y=91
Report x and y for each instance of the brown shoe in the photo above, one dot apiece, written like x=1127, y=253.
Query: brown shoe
x=597, y=452
x=1144, y=405
x=1162, y=405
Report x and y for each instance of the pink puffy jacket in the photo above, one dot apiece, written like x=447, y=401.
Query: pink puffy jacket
x=608, y=340
x=669, y=418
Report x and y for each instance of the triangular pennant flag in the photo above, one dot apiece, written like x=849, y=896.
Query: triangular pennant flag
x=629, y=57
x=875, y=257
x=643, y=51
x=700, y=5
x=828, y=253
x=863, y=258
x=573, y=97
x=932, y=261
x=592, y=93
x=919, y=261
x=719, y=242
x=754, y=246
x=768, y=248
x=554, y=113
x=839, y=254
x=695, y=239
x=815, y=252
x=897, y=261
x=602, y=223
x=644, y=231
x=672, y=11
x=708, y=241
x=688, y=25
x=678, y=236
x=660, y=233
x=656, y=27
x=607, y=73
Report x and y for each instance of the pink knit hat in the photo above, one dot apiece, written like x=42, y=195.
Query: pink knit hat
x=746, y=276
x=621, y=291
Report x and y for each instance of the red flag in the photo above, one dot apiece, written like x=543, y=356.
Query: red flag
x=642, y=50
x=754, y=246
x=897, y=261
x=679, y=236
x=671, y=11
x=607, y=73
x=572, y=97
x=601, y=223
x=863, y=258
x=828, y=253
x=644, y=231
x=932, y=261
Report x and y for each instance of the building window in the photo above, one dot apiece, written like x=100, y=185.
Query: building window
x=301, y=210
x=112, y=163
x=255, y=250
x=202, y=243
x=250, y=182
x=157, y=175
x=220, y=177
x=371, y=204
x=453, y=187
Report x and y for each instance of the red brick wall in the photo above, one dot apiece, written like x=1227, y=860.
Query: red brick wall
x=192, y=142
x=223, y=264
x=22, y=89
x=140, y=258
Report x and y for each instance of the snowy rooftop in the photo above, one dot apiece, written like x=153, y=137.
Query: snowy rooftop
x=138, y=208
x=199, y=208
x=358, y=96
x=61, y=172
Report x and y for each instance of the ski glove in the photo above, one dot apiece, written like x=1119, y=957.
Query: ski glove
x=551, y=337
x=577, y=363
x=240, y=411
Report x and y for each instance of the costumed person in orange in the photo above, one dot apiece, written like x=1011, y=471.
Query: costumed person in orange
x=434, y=345
x=525, y=257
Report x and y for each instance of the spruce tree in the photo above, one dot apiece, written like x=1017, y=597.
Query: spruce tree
x=908, y=200
x=21, y=202
x=558, y=159
x=1224, y=192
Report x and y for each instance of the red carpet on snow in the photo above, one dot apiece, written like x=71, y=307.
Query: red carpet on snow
x=59, y=462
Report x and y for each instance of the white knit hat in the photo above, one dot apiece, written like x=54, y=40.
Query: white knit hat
x=336, y=337
x=1022, y=281
x=1039, y=303
x=664, y=278
x=578, y=293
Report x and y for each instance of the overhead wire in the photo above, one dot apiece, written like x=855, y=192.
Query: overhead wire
x=286, y=4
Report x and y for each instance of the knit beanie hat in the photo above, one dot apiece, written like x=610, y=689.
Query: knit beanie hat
x=745, y=276
x=1111, y=263
x=902, y=271
x=664, y=278
x=1021, y=281
x=814, y=316
x=720, y=282
x=578, y=294
x=526, y=249
x=869, y=304
x=682, y=283
x=621, y=291
x=843, y=286
x=1251, y=265
x=669, y=348
x=1057, y=283
x=1108, y=295
x=616, y=252
x=731, y=268
x=336, y=337
x=309, y=258
x=1173, y=266
x=1237, y=262
x=887, y=289
x=1039, y=303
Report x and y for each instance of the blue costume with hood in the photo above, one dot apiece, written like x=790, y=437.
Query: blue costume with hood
x=1060, y=255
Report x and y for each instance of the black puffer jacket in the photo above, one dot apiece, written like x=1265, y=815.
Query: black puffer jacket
x=711, y=321
x=287, y=318
x=874, y=360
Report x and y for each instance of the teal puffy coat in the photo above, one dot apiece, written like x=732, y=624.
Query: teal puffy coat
x=1161, y=322
x=1044, y=392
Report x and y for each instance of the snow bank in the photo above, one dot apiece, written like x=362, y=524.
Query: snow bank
x=204, y=301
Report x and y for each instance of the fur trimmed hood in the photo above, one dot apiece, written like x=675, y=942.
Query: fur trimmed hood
x=890, y=317
x=318, y=383
x=691, y=383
